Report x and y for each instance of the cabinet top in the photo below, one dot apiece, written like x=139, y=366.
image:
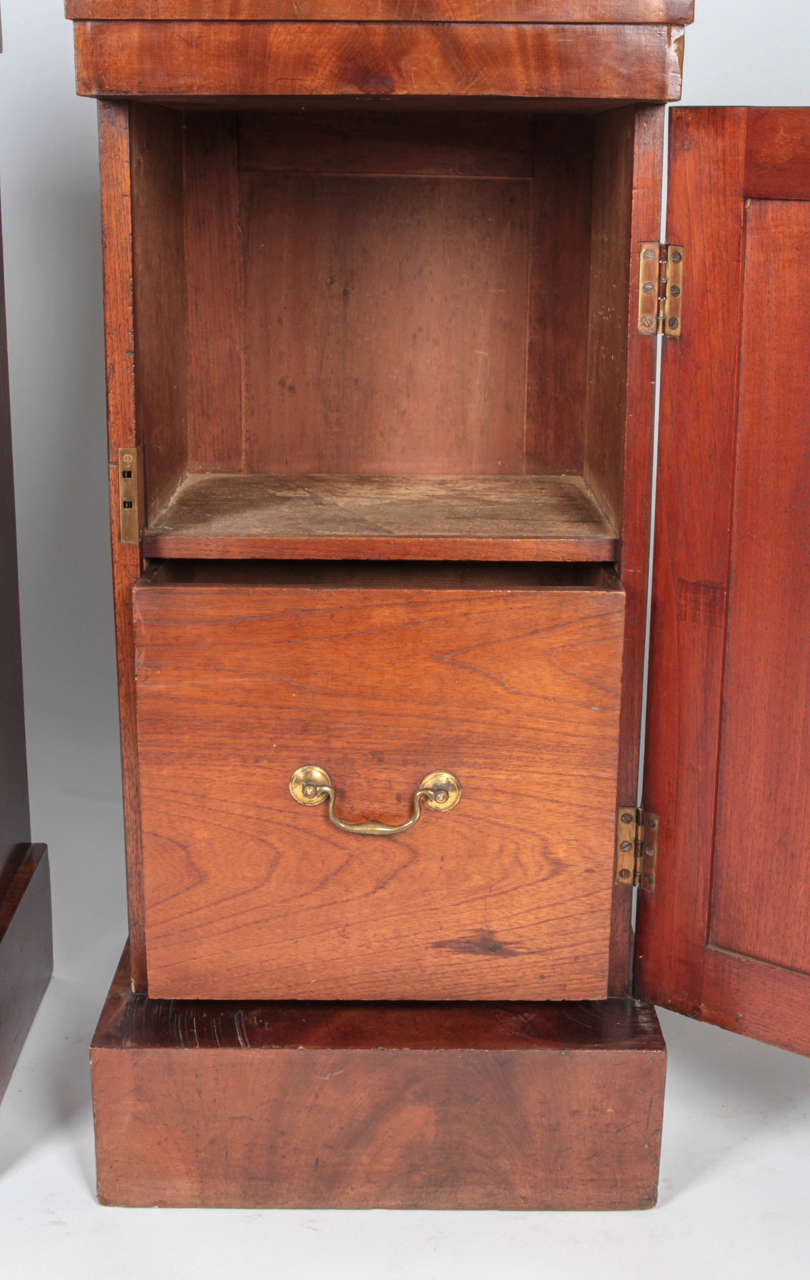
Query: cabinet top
x=562, y=50
x=554, y=11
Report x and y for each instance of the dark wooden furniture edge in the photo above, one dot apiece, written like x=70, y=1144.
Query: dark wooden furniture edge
x=26, y=950
x=523, y=1106
x=642, y=12
x=185, y=60
x=638, y=146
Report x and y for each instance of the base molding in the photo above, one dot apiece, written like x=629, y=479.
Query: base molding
x=26, y=949
x=461, y=1106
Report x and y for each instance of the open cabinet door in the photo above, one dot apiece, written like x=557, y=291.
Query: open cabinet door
x=726, y=935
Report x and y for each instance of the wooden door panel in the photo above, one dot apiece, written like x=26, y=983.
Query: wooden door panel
x=726, y=936
x=761, y=887
x=249, y=895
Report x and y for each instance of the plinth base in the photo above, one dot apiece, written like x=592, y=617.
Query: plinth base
x=429, y=1106
x=26, y=949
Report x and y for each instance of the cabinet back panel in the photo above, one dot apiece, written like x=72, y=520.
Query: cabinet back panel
x=387, y=293
x=385, y=324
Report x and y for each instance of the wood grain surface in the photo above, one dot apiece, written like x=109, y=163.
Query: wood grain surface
x=451, y=1106
x=619, y=411
x=508, y=896
x=398, y=323
x=414, y=291
x=761, y=903
x=213, y=293
x=777, y=154
x=405, y=10
x=725, y=936
x=156, y=158
x=372, y=517
x=265, y=59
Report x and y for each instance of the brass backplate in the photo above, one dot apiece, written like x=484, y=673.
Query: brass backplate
x=445, y=790
x=306, y=784
x=130, y=494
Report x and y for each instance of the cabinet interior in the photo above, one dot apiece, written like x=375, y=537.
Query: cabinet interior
x=392, y=333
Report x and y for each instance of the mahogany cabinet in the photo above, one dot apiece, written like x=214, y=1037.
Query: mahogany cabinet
x=26, y=957
x=383, y=296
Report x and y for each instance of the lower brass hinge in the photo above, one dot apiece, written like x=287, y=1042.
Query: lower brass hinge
x=130, y=494
x=660, y=289
x=637, y=848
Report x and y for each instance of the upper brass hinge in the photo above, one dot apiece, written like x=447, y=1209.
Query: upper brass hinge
x=637, y=848
x=130, y=494
x=660, y=289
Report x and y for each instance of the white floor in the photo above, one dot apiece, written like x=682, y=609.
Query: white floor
x=734, y=1200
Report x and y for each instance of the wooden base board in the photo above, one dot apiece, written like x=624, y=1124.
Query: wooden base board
x=26, y=949
x=305, y=1105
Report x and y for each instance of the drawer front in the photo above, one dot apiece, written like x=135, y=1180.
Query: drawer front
x=249, y=894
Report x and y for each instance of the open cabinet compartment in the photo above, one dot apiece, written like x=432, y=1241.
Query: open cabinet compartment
x=386, y=332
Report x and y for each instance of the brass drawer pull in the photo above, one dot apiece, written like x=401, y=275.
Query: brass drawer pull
x=440, y=791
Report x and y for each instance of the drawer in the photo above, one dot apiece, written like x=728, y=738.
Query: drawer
x=507, y=677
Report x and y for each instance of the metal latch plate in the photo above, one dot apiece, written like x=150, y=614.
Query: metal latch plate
x=130, y=494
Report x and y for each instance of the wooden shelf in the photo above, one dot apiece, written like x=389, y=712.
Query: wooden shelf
x=243, y=517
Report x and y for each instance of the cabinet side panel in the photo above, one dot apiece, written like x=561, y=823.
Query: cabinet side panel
x=119, y=341
x=160, y=331
x=211, y=197
x=558, y=300
x=619, y=406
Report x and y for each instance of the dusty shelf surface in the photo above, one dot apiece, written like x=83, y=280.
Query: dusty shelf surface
x=239, y=516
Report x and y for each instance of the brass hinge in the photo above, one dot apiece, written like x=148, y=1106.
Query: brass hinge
x=130, y=494
x=660, y=289
x=637, y=848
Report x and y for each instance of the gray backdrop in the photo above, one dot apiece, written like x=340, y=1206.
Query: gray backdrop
x=739, y=51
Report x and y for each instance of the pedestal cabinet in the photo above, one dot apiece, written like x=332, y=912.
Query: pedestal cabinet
x=383, y=293
x=25, y=900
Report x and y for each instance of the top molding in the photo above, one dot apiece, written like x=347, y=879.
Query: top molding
x=546, y=11
x=188, y=61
